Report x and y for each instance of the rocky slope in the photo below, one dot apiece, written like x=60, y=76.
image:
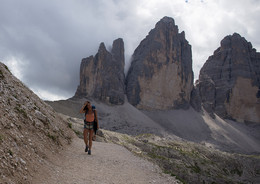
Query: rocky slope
x=160, y=75
x=121, y=118
x=190, y=162
x=108, y=164
x=187, y=161
x=229, y=81
x=102, y=77
x=30, y=130
x=179, y=124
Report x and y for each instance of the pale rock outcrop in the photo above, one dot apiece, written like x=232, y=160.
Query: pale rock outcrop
x=229, y=81
x=102, y=77
x=160, y=76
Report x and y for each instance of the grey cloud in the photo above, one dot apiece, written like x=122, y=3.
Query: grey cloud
x=51, y=37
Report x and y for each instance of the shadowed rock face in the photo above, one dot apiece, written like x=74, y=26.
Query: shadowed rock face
x=229, y=81
x=160, y=75
x=102, y=77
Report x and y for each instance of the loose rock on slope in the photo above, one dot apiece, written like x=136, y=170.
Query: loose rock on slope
x=30, y=130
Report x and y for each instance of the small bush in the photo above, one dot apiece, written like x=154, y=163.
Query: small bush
x=53, y=137
x=1, y=138
x=237, y=171
x=70, y=125
x=21, y=111
x=195, y=168
x=173, y=175
x=6, y=68
x=10, y=152
x=69, y=139
x=1, y=75
x=78, y=133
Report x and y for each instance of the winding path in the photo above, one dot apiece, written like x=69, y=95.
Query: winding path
x=108, y=164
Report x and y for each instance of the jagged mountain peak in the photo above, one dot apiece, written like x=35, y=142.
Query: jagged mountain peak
x=167, y=20
x=160, y=75
x=229, y=80
x=102, y=76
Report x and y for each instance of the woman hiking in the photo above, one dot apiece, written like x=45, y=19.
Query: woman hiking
x=90, y=119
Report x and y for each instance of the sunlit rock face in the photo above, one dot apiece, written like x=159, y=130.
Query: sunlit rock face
x=229, y=81
x=102, y=77
x=160, y=76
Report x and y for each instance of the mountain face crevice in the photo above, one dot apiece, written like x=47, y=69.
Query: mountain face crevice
x=229, y=81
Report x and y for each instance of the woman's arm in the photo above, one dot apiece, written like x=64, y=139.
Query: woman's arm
x=82, y=109
x=95, y=113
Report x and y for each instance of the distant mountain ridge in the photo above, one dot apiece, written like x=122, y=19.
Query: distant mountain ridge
x=161, y=76
x=32, y=132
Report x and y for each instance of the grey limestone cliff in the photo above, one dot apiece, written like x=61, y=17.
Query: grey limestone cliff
x=229, y=81
x=102, y=77
x=160, y=76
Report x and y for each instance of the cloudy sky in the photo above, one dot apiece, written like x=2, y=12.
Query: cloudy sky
x=43, y=41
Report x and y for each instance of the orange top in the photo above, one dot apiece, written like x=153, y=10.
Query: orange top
x=90, y=117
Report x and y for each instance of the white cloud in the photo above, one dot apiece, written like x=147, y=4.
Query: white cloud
x=16, y=66
x=48, y=95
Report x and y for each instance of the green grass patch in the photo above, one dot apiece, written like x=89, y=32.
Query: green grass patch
x=156, y=146
x=147, y=135
x=53, y=137
x=1, y=138
x=78, y=133
x=70, y=125
x=6, y=68
x=69, y=139
x=225, y=171
x=195, y=168
x=10, y=152
x=155, y=156
x=21, y=111
x=237, y=171
x=174, y=175
x=126, y=138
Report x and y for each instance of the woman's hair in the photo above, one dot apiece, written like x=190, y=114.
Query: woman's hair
x=86, y=106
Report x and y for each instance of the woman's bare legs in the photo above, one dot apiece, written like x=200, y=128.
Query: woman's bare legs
x=90, y=133
x=85, y=134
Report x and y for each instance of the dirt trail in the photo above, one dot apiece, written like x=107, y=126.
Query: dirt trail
x=108, y=164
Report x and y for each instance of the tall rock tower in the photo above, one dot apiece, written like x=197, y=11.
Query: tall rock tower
x=229, y=81
x=160, y=76
x=102, y=77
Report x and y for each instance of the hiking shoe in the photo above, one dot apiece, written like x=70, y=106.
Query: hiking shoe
x=86, y=149
x=89, y=152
